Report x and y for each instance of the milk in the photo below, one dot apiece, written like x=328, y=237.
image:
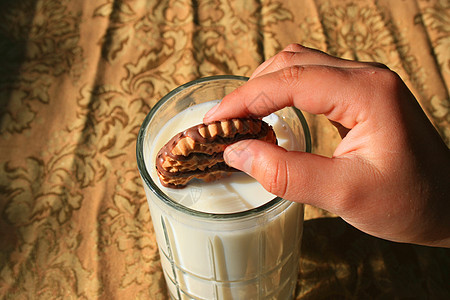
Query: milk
x=238, y=192
x=207, y=250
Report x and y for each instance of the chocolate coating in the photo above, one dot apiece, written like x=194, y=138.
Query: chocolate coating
x=202, y=155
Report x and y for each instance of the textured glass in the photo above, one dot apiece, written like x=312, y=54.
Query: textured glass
x=252, y=254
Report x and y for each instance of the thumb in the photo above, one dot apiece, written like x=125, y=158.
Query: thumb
x=293, y=175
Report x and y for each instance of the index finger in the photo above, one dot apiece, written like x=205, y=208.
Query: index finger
x=341, y=94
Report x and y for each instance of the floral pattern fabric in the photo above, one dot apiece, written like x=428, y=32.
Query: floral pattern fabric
x=77, y=79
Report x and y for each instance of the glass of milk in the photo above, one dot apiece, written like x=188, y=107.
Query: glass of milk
x=228, y=239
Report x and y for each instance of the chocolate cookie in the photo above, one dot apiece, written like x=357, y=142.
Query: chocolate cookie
x=197, y=152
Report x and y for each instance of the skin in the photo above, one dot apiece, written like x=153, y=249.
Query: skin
x=388, y=177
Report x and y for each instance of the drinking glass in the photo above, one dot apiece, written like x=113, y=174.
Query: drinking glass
x=252, y=254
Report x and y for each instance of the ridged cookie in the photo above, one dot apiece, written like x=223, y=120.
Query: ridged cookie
x=197, y=152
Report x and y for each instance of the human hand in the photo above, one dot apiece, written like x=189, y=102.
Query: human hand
x=390, y=174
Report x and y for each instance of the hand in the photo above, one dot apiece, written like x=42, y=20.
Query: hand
x=390, y=174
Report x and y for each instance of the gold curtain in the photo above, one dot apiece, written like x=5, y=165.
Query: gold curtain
x=76, y=81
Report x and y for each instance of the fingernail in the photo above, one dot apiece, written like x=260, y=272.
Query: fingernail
x=211, y=112
x=238, y=156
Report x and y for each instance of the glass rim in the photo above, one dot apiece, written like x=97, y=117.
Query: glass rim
x=154, y=188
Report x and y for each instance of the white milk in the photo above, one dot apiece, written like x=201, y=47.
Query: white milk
x=236, y=193
x=254, y=257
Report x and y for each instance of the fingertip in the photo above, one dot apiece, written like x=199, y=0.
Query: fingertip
x=210, y=113
x=294, y=47
x=231, y=106
x=239, y=156
x=253, y=156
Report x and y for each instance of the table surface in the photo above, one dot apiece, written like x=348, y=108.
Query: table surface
x=77, y=79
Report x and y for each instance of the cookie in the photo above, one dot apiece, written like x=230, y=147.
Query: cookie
x=197, y=152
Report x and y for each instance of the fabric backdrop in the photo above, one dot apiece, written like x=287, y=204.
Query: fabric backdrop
x=76, y=81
